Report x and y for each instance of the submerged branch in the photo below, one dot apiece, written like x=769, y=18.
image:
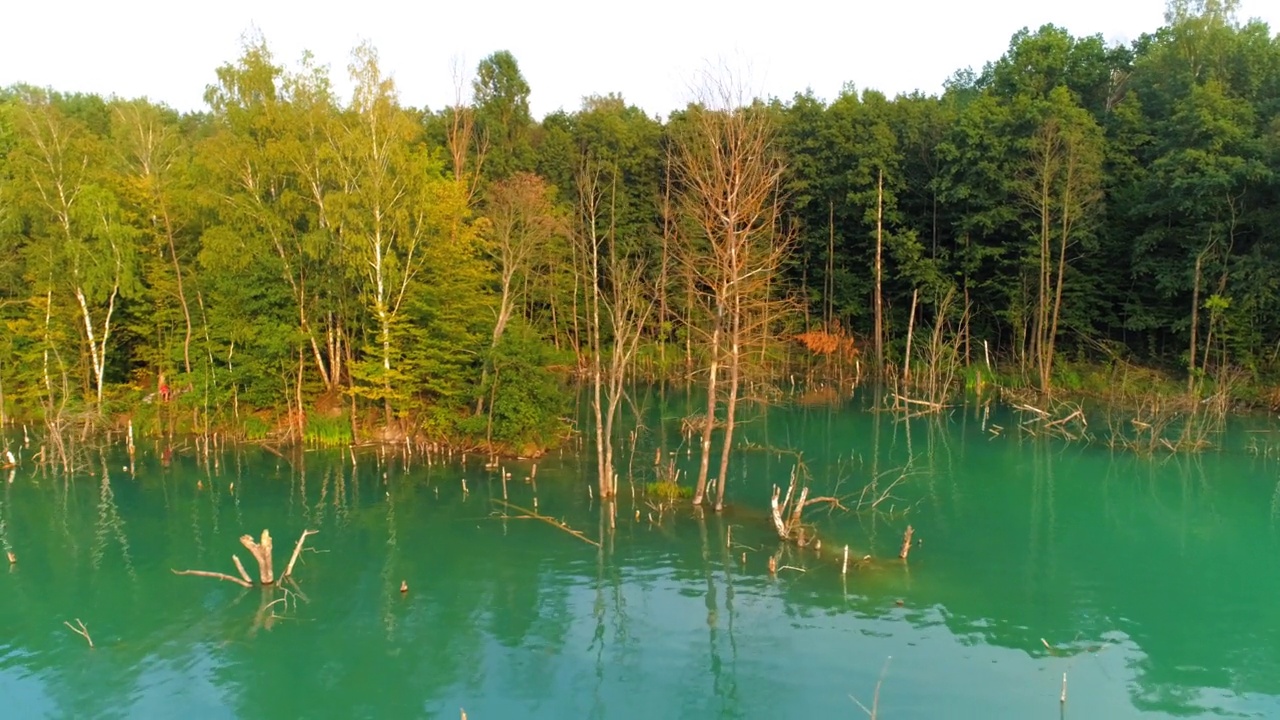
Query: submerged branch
x=215, y=576
x=535, y=515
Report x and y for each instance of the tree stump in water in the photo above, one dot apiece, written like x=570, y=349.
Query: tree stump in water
x=261, y=550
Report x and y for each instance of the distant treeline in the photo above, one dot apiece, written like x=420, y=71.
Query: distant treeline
x=293, y=252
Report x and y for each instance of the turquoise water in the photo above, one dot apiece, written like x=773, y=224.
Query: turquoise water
x=1154, y=580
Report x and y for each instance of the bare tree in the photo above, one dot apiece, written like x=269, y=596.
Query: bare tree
x=467, y=145
x=730, y=174
x=625, y=309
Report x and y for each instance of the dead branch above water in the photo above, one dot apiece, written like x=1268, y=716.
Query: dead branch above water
x=261, y=551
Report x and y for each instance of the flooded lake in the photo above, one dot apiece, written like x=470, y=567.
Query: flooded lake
x=1152, y=583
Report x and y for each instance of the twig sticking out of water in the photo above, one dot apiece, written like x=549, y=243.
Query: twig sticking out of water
x=82, y=631
x=906, y=542
x=297, y=550
x=535, y=515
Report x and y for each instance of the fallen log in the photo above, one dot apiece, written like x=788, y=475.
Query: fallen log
x=535, y=515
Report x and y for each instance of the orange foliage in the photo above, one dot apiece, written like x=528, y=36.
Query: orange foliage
x=821, y=342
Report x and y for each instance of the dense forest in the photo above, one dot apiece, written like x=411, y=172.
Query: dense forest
x=287, y=260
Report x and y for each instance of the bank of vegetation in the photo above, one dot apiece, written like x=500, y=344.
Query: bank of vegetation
x=1077, y=216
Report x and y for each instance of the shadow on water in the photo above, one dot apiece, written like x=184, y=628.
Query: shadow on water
x=1149, y=581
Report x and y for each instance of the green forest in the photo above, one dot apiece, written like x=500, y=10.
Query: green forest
x=287, y=261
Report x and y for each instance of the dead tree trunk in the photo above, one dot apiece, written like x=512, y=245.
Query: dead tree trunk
x=261, y=551
x=730, y=175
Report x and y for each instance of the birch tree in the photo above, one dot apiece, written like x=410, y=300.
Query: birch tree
x=89, y=246
x=394, y=201
x=614, y=295
x=153, y=155
x=265, y=200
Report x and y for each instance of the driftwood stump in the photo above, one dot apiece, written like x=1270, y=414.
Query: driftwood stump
x=261, y=551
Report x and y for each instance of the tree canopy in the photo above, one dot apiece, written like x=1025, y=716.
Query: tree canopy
x=292, y=252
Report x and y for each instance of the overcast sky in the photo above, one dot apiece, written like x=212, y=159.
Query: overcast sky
x=650, y=52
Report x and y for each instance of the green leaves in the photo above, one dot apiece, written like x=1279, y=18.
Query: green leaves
x=291, y=243
x=501, y=97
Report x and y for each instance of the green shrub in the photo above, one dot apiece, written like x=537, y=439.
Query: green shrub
x=529, y=402
x=665, y=490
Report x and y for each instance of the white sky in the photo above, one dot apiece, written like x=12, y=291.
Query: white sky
x=649, y=51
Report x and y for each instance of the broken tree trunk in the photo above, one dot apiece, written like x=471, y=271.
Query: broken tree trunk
x=240, y=568
x=261, y=552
